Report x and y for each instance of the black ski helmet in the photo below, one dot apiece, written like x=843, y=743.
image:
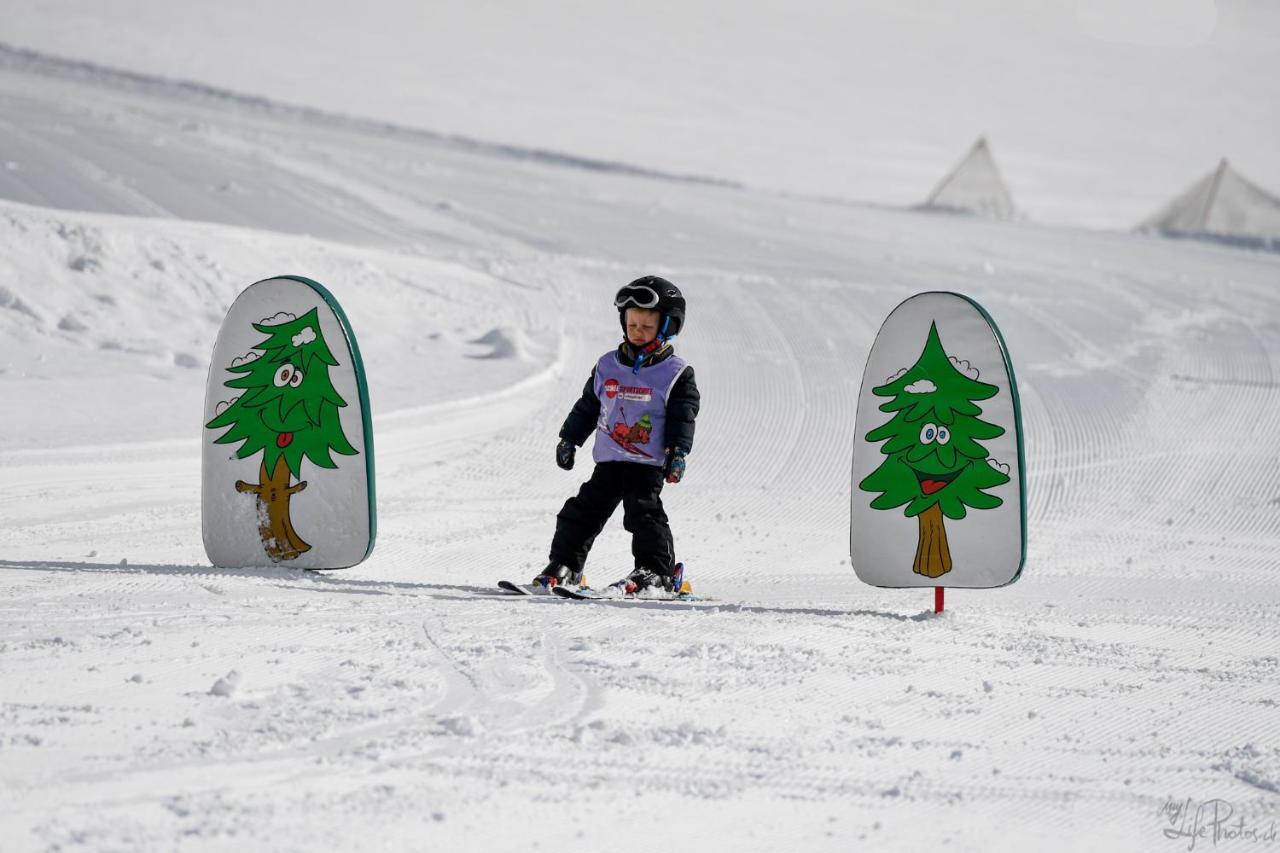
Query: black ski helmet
x=658, y=294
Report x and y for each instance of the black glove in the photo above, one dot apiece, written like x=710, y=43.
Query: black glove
x=674, y=469
x=564, y=454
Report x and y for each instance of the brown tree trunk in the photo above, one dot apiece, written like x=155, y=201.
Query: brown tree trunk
x=933, y=556
x=279, y=539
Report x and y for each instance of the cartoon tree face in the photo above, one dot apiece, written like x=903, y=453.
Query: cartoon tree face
x=289, y=411
x=289, y=408
x=934, y=463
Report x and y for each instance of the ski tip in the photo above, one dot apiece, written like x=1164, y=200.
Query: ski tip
x=517, y=589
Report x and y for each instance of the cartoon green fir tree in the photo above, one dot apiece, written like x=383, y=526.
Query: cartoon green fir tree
x=933, y=463
x=289, y=410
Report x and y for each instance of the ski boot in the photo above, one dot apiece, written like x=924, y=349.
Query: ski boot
x=641, y=579
x=558, y=574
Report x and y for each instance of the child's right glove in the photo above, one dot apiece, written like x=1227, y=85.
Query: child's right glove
x=564, y=454
x=674, y=469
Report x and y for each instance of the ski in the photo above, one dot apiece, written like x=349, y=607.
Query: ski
x=614, y=593
x=513, y=588
x=522, y=588
x=617, y=591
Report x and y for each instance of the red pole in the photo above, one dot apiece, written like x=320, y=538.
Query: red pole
x=937, y=599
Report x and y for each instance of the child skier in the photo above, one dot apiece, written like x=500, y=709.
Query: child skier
x=641, y=402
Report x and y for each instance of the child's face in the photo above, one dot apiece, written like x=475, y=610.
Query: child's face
x=642, y=325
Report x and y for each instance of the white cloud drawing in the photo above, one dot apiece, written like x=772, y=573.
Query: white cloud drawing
x=252, y=355
x=306, y=336
x=277, y=319
x=998, y=465
x=921, y=386
x=223, y=405
x=964, y=367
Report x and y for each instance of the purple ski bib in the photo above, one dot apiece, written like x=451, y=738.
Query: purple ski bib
x=633, y=410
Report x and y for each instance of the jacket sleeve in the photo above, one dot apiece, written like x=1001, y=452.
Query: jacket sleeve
x=682, y=409
x=581, y=422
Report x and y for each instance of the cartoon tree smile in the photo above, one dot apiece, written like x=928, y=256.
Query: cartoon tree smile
x=288, y=411
x=933, y=463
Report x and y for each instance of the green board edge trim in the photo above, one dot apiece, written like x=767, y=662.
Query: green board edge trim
x=362, y=389
x=1017, y=427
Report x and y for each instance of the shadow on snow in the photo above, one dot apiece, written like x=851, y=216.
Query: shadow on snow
x=320, y=582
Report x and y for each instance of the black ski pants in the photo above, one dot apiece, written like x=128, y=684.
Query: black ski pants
x=639, y=489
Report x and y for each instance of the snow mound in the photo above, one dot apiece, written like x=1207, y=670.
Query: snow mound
x=226, y=685
x=462, y=726
x=506, y=342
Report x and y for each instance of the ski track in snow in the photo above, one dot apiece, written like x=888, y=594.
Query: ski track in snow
x=403, y=703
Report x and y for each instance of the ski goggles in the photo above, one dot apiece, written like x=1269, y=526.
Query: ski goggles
x=637, y=296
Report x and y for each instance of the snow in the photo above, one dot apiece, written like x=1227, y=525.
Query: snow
x=150, y=701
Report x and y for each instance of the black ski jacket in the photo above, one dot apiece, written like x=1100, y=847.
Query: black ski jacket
x=682, y=404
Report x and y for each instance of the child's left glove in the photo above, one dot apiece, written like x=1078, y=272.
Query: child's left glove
x=674, y=469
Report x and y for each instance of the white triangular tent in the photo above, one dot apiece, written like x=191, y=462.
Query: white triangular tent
x=1222, y=204
x=974, y=186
